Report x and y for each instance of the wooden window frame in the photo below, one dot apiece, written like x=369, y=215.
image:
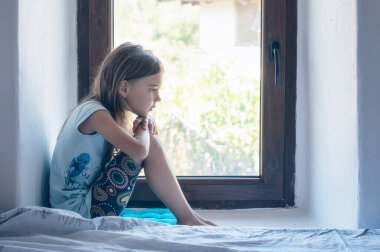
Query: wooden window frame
x=275, y=186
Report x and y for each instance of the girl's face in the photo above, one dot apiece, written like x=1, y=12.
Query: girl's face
x=141, y=95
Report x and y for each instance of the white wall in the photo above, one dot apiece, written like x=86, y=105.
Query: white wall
x=47, y=86
x=369, y=113
x=8, y=103
x=43, y=89
x=330, y=86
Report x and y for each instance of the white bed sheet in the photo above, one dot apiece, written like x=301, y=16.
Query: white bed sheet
x=45, y=229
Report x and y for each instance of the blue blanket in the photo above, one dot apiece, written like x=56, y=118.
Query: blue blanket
x=154, y=214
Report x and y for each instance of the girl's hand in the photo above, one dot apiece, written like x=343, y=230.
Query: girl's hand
x=146, y=122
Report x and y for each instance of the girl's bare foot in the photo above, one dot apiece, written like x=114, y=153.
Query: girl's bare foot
x=195, y=220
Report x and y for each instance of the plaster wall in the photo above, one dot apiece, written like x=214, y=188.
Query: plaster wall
x=47, y=87
x=369, y=116
x=9, y=123
x=38, y=88
x=331, y=91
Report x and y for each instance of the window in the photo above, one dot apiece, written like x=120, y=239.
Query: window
x=209, y=118
x=273, y=185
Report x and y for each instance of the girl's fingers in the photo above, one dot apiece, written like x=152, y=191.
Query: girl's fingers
x=139, y=120
x=145, y=123
x=154, y=127
x=151, y=126
x=135, y=124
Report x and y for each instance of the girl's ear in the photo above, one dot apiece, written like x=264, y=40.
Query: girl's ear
x=123, y=88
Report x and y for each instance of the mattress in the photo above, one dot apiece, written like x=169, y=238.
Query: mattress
x=45, y=229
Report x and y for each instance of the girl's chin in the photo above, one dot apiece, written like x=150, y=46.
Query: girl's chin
x=142, y=114
x=139, y=113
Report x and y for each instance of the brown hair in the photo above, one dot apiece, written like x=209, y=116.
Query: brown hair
x=126, y=62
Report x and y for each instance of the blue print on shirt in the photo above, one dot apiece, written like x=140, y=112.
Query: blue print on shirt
x=75, y=175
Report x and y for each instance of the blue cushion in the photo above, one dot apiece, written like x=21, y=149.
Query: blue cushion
x=155, y=214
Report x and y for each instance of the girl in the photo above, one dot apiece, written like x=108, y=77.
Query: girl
x=86, y=175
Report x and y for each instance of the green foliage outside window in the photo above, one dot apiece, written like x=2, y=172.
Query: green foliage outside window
x=209, y=117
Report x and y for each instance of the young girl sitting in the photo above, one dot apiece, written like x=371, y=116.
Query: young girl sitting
x=86, y=175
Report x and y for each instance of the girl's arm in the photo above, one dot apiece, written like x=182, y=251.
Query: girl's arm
x=137, y=146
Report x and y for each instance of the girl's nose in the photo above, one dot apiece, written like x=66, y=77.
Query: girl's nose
x=158, y=98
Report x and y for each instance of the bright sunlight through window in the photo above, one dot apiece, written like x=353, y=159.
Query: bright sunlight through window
x=209, y=116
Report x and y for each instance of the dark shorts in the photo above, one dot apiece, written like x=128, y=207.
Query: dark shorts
x=114, y=186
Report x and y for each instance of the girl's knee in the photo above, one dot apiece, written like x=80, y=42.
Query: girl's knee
x=155, y=143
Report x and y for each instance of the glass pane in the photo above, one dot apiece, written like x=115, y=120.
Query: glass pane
x=209, y=116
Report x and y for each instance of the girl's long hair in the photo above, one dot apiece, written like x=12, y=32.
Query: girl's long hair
x=126, y=62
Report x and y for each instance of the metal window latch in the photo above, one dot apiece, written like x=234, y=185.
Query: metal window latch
x=275, y=49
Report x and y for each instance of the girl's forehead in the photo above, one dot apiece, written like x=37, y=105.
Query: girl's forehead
x=155, y=78
x=151, y=80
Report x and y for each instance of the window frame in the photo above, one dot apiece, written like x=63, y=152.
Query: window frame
x=275, y=186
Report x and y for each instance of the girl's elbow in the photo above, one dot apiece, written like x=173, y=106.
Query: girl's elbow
x=138, y=151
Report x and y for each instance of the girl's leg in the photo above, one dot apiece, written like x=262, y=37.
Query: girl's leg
x=164, y=184
x=114, y=186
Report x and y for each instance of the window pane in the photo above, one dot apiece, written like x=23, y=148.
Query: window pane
x=209, y=116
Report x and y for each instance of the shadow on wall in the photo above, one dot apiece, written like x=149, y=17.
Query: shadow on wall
x=303, y=125
x=45, y=183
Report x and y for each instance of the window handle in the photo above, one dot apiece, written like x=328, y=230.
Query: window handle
x=276, y=57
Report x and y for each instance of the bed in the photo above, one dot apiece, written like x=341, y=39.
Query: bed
x=45, y=229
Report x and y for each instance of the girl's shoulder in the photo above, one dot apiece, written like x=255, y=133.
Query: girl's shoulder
x=89, y=105
x=85, y=109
